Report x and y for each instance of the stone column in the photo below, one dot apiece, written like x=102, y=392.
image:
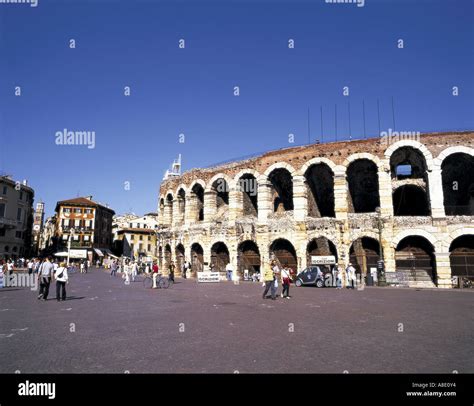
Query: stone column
x=340, y=193
x=176, y=220
x=264, y=200
x=385, y=192
x=300, y=198
x=443, y=270
x=168, y=213
x=388, y=256
x=435, y=186
x=190, y=215
x=235, y=204
x=210, y=205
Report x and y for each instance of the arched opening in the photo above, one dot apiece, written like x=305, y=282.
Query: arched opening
x=281, y=190
x=167, y=257
x=197, y=258
x=179, y=255
x=181, y=204
x=458, y=184
x=284, y=253
x=461, y=256
x=169, y=209
x=364, y=254
x=415, y=256
x=363, y=182
x=410, y=200
x=248, y=258
x=219, y=257
x=221, y=188
x=320, y=246
x=320, y=188
x=248, y=187
x=408, y=163
x=198, y=198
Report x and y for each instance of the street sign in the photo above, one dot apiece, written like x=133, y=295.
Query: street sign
x=323, y=260
x=208, y=276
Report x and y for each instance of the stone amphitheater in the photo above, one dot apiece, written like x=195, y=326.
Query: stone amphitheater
x=409, y=202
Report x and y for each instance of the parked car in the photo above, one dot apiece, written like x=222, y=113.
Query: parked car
x=312, y=276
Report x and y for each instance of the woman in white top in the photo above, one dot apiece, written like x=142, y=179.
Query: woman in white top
x=61, y=277
x=285, y=281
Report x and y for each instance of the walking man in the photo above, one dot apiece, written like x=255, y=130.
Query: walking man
x=61, y=280
x=171, y=271
x=113, y=268
x=269, y=280
x=44, y=276
x=229, y=271
x=351, y=276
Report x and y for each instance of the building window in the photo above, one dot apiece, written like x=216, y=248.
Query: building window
x=7, y=248
x=88, y=211
x=2, y=209
x=78, y=211
x=149, y=238
x=21, y=194
x=18, y=234
x=18, y=214
x=131, y=225
x=2, y=232
x=149, y=248
x=66, y=210
x=86, y=238
x=65, y=237
x=76, y=238
x=15, y=249
x=4, y=191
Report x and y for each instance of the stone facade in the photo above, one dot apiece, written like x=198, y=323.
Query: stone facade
x=337, y=198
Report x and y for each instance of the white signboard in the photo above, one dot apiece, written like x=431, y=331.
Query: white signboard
x=208, y=276
x=323, y=260
x=78, y=253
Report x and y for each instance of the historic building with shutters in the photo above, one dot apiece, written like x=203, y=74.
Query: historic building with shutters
x=409, y=200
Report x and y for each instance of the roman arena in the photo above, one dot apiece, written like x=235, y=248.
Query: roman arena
x=414, y=198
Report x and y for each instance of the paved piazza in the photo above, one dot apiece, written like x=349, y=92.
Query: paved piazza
x=107, y=326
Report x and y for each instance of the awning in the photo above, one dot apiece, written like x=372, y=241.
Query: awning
x=60, y=254
x=98, y=252
x=109, y=253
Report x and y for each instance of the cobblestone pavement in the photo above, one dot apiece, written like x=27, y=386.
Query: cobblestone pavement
x=107, y=326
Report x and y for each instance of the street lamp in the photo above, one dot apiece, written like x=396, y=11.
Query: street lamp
x=380, y=263
x=71, y=234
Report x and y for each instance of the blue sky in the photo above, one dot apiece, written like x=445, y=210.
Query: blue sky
x=190, y=91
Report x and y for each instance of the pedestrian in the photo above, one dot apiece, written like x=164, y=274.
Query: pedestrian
x=171, y=269
x=134, y=271
x=185, y=268
x=351, y=276
x=229, y=271
x=97, y=263
x=269, y=281
x=83, y=265
x=44, y=277
x=113, y=268
x=277, y=275
x=30, y=265
x=126, y=273
x=36, y=265
x=285, y=281
x=155, y=272
x=62, y=279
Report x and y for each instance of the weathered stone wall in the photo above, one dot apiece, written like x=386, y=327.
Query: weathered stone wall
x=228, y=224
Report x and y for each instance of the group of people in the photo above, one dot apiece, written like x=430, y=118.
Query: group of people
x=345, y=277
x=48, y=271
x=271, y=277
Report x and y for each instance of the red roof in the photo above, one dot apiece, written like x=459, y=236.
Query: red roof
x=81, y=201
